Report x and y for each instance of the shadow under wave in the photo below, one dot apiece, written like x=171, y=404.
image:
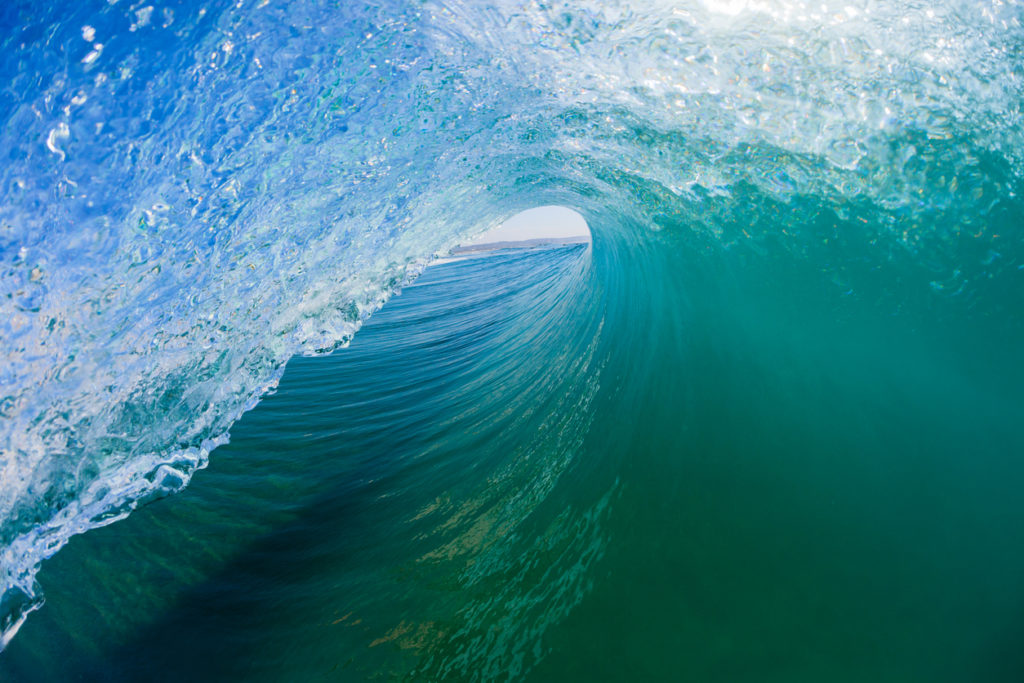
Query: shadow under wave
x=365, y=519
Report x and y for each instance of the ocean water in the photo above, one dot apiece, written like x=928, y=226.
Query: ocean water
x=767, y=426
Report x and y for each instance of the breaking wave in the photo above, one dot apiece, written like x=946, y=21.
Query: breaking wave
x=194, y=193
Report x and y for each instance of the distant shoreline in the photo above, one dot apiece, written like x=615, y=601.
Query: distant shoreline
x=464, y=252
x=521, y=244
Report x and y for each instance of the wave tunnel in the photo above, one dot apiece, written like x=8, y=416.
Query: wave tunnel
x=764, y=424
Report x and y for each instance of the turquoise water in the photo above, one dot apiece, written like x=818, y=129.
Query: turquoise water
x=492, y=482
x=765, y=427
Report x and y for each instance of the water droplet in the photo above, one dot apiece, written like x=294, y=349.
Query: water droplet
x=57, y=135
x=97, y=49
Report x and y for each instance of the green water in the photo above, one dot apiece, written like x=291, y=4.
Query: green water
x=767, y=427
x=640, y=461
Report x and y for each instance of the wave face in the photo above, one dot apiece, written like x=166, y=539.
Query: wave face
x=411, y=488
x=194, y=194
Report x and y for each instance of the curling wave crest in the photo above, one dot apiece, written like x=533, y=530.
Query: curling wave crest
x=193, y=194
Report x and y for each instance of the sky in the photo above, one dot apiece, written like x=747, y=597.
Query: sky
x=541, y=222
